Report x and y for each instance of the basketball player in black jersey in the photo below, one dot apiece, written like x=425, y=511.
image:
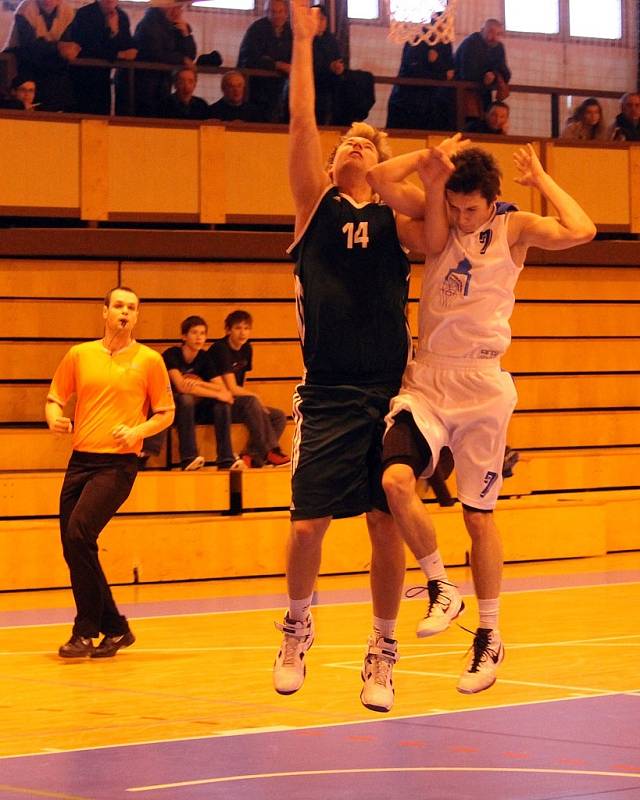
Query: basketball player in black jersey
x=351, y=279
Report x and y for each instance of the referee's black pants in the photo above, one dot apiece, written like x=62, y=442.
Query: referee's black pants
x=94, y=488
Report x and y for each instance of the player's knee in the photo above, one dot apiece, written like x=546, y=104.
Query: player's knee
x=307, y=532
x=382, y=530
x=477, y=520
x=398, y=482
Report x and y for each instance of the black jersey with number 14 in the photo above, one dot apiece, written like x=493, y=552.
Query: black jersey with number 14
x=352, y=280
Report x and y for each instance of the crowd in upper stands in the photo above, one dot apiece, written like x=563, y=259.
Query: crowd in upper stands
x=49, y=35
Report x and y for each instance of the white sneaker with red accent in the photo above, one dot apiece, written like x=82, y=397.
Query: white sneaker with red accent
x=377, y=673
x=289, y=669
x=487, y=653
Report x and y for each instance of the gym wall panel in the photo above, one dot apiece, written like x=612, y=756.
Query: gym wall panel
x=597, y=177
x=40, y=164
x=153, y=169
x=225, y=280
x=56, y=278
x=258, y=177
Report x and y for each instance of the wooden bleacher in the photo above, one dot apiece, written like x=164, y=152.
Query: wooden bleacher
x=575, y=359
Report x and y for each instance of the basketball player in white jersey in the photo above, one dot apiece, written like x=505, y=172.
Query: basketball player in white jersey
x=351, y=278
x=454, y=392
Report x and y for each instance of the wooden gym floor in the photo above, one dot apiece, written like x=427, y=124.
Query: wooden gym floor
x=189, y=710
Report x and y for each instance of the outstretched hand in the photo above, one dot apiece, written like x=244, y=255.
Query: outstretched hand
x=528, y=165
x=436, y=164
x=304, y=20
x=453, y=144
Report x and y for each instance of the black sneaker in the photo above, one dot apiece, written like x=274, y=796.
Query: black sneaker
x=110, y=645
x=77, y=647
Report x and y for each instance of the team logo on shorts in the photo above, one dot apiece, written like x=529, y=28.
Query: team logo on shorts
x=456, y=282
x=489, y=479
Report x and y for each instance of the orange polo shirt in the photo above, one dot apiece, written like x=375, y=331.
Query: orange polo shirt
x=111, y=390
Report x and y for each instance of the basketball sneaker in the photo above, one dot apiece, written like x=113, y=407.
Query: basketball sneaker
x=445, y=604
x=486, y=655
x=289, y=668
x=377, y=693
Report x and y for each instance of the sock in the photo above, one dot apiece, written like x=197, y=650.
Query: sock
x=433, y=567
x=384, y=627
x=489, y=610
x=299, y=609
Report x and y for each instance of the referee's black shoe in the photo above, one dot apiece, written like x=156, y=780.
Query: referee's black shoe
x=76, y=647
x=110, y=645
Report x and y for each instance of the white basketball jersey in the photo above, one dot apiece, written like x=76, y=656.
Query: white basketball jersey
x=468, y=293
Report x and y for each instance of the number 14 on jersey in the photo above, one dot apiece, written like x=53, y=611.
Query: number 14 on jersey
x=359, y=235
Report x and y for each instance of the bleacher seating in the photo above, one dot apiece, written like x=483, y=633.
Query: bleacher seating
x=575, y=359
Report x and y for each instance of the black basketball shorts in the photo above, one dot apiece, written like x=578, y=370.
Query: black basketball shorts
x=337, y=450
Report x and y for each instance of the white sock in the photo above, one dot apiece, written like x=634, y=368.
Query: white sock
x=489, y=610
x=299, y=609
x=384, y=627
x=433, y=567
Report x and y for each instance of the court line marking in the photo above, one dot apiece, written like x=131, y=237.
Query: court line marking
x=40, y=793
x=290, y=728
x=377, y=770
x=352, y=665
x=278, y=609
x=460, y=647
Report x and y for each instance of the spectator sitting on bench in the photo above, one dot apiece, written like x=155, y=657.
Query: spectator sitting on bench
x=23, y=92
x=183, y=103
x=232, y=357
x=200, y=397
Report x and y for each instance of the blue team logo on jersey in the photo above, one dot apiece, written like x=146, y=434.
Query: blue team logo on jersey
x=485, y=240
x=456, y=282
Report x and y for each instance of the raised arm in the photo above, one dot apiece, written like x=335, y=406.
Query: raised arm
x=389, y=180
x=572, y=226
x=434, y=170
x=307, y=175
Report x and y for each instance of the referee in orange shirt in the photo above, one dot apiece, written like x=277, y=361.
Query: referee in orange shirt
x=116, y=381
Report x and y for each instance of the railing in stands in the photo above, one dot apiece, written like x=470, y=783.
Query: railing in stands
x=555, y=93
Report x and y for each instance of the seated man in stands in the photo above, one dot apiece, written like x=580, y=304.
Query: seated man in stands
x=36, y=41
x=233, y=358
x=22, y=94
x=233, y=104
x=163, y=36
x=626, y=126
x=183, y=104
x=200, y=396
x=495, y=120
x=267, y=45
x=100, y=30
